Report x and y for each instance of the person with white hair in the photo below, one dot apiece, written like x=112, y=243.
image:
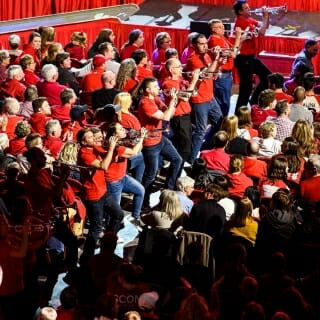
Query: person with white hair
x=50, y=88
x=52, y=140
x=14, y=87
x=4, y=62
x=14, y=42
x=185, y=186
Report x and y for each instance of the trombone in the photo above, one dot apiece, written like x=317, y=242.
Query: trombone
x=271, y=10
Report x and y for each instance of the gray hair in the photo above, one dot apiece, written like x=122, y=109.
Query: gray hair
x=315, y=160
x=4, y=140
x=51, y=126
x=11, y=105
x=14, y=70
x=48, y=71
x=184, y=182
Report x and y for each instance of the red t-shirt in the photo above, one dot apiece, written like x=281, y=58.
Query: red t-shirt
x=17, y=146
x=222, y=42
x=259, y=115
x=130, y=85
x=61, y=113
x=147, y=107
x=30, y=78
x=254, y=167
x=73, y=127
x=14, y=88
x=11, y=125
x=118, y=167
x=143, y=72
x=216, y=159
x=309, y=189
x=95, y=184
x=38, y=122
x=50, y=90
x=239, y=183
x=205, y=87
x=248, y=46
x=281, y=96
x=92, y=80
x=127, y=51
x=54, y=145
x=130, y=121
x=183, y=107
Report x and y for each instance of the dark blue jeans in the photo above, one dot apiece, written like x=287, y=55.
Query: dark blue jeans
x=203, y=113
x=151, y=154
x=222, y=91
x=136, y=164
x=131, y=185
x=104, y=209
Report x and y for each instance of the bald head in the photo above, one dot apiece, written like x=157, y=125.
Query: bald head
x=252, y=148
x=108, y=79
x=299, y=94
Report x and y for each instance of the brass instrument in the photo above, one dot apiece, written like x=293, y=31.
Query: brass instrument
x=134, y=134
x=226, y=52
x=203, y=74
x=72, y=167
x=180, y=93
x=271, y=10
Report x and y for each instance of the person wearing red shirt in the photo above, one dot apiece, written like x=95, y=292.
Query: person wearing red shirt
x=50, y=88
x=10, y=107
x=62, y=112
x=141, y=59
x=223, y=84
x=264, y=109
x=309, y=188
x=276, y=82
x=126, y=78
x=17, y=145
x=151, y=117
x=118, y=180
x=92, y=80
x=13, y=87
x=135, y=41
x=205, y=107
x=247, y=62
x=29, y=66
x=217, y=159
x=33, y=48
x=181, y=120
x=40, y=116
x=98, y=203
x=52, y=141
x=238, y=180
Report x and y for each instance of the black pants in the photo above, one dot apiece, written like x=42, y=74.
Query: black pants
x=247, y=66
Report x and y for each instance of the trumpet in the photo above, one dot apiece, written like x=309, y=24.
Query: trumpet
x=72, y=167
x=226, y=52
x=271, y=10
x=181, y=93
x=203, y=74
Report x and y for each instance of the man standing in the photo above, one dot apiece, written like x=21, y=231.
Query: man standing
x=247, y=62
x=205, y=106
x=223, y=84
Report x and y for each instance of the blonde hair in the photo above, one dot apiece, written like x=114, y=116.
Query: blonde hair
x=266, y=128
x=123, y=99
x=230, y=125
x=127, y=70
x=69, y=153
x=236, y=163
x=170, y=204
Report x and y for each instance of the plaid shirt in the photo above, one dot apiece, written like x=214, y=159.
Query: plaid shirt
x=284, y=127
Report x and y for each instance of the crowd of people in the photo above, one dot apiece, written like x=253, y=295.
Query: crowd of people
x=81, y=124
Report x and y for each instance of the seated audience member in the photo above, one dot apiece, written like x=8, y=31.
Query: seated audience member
x=52, y=141
x=311, y=101
x=53, y=49
x=14, y=42
x=276, y=81
x=290, y=149
x=268, y=145
x=167, y=214
x=309, y=187
x=110, y=52
x=116, y=176
x=265, y=107
x=50, y=88
x=48, y=35
x=217, y=159
x=302, y=132
x=10, y=116
x=316, y=135
x=17, y=144
x=33, y=47
x=92, y=80
x=126, y=78
x=105, y=95
x=207, y=216
x=244, y=122
x=4, y=63
x=30, y=94
x=201, y=174
x=62, y=112
x=135, y=41
x=69, y=298
x=238, y=180
x=276, y=176
x=66, y=77
x=296, y=79
x=185, y=187
x=77, y=47
x=29, y=66
x=14, y=87
x=252, y=166
x=253, y=194
x=297, y=108
x=78, y=121
x=238, y=139
x=141, y=59
x=276, y=229
x=241, y=223
x=283, y=123
x=41, y=115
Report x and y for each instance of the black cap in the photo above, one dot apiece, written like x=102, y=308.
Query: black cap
x=77, y=111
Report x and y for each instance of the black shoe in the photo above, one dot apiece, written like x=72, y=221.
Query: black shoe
x=137, y=223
